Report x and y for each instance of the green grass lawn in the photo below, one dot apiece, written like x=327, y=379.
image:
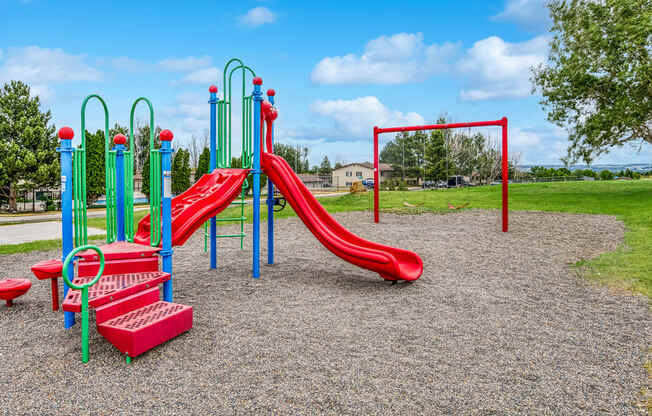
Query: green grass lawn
x=629, y=267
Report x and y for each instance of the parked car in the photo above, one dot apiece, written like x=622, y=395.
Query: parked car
x=457, y=181
x=369, y=183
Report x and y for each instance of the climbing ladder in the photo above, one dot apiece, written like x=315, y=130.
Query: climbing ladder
x=120, y=282
x=223, y=157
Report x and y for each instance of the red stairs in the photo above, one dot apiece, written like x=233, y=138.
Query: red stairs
x=128, y=310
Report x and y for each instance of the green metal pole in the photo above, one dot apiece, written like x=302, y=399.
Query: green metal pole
x=84, y=291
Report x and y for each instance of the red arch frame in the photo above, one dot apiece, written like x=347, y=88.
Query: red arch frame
x=505, y=168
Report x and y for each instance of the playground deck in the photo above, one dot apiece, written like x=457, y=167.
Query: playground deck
x=502, y=326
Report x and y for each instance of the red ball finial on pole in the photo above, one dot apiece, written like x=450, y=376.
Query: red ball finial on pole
x=66, y=133
x=119, y=139
x=258, y=81
x=166, y=135
x=213, y=89
x=271, y=92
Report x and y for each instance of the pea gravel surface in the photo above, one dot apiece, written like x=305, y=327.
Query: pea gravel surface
x=498, y=324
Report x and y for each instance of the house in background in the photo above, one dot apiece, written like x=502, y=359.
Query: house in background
x=315, y=181
x=354, y=172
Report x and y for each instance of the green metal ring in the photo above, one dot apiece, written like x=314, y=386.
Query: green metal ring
x=71, y=256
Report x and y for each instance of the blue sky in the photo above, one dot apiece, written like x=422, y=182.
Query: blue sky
x=337, y=70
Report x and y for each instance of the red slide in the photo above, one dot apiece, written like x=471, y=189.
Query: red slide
x=209, y=196
x=390, y=262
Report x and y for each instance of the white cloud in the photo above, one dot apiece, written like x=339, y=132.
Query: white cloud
x=42, y=68
x=356, y=118
x=396, y=59
x=257, y=16
x=200, y=76
x=498, y=69
x=42, y=65
x=528, y=13
x=189, y=63
x=125, y=63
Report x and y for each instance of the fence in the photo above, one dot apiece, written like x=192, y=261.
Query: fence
x=36, y=200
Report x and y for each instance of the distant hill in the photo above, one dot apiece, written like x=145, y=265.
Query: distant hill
x=634, y=167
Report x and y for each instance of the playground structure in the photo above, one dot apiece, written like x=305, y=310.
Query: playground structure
x=502, y=123
x=120, y=278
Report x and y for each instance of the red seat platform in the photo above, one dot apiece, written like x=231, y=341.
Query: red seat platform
x=112, y=287
x=50, y=269
x=10, y=289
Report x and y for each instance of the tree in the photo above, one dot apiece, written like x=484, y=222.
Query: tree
x=141, y=142
x=606, y=175
x=180, y=171
x=338, y=165
x=141, y=146
x=296, y=157
x=203, y=164
x=196, y=147
x=597, y=80
x=28, y=142
x=95, y=166
x=186, y=169
x=325, y=167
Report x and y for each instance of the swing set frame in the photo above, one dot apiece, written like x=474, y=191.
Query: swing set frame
x=505, y=165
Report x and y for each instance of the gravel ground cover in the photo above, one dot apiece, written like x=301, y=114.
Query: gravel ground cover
x=498, y=324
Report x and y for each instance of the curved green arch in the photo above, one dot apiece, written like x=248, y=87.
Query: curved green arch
x=154, y=179
x=151, y=122
x=106, y=122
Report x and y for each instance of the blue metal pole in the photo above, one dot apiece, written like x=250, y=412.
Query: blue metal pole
x=213, y=165
x=120, y=184
x=66, y=151
x=166, y=210
x=270, y=200
x=258, y=98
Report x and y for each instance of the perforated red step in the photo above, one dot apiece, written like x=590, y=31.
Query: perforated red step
x=111, y=288
x=142, y=329
x=125, y=305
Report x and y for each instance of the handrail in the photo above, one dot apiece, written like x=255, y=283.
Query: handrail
x=84, y=291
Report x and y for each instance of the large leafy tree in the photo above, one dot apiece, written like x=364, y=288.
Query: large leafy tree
x=28, y=142
x=598, y=79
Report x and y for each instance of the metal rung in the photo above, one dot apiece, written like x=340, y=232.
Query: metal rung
x=232, y=219
x=231, y=235
x=239, y=203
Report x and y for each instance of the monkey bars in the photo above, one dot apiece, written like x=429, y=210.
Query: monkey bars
x=505, y=166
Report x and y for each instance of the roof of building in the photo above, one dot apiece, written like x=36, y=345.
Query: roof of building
x=368, y=165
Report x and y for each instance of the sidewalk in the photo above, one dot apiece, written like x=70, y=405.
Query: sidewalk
x=25, y=233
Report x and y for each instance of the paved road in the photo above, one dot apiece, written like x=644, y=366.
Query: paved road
x=24, y=233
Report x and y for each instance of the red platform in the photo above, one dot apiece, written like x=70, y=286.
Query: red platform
x=111, y=288
x=120, y=250
x=10, y=289
x=144, y=328
x=144, y=264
